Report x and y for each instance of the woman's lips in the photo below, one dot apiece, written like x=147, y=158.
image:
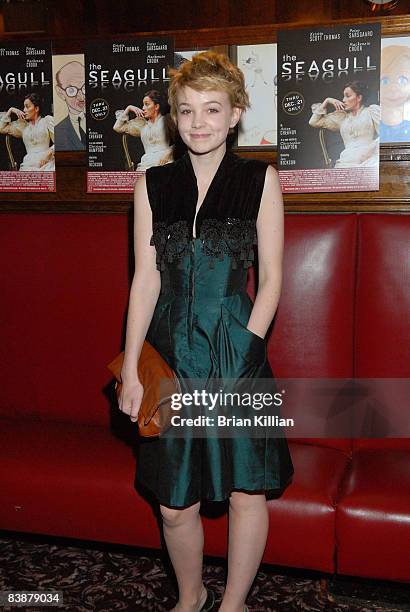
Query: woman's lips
x=199, y=136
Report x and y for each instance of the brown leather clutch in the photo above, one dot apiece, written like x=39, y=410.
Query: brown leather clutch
x=159, y=382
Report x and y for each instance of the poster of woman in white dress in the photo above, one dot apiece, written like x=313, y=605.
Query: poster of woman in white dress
x=129, y=128
x=27, y=160
x=329, y=108
x=357, y=123
x=152, y=123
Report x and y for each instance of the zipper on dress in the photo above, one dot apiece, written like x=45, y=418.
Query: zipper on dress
x=192, y=296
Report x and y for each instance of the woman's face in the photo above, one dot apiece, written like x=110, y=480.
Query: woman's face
x=204, y=118
x=395, y=83
x=351, y=100
x=31, y=111
x=151, y=110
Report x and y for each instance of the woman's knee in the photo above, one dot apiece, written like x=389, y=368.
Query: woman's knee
x=176, y=516
x=242, y=501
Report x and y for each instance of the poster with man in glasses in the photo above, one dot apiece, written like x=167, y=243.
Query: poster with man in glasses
x=69, y=102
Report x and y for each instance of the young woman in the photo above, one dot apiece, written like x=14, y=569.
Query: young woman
x=358, y=125
x=196, y=221
x=150, y=124
x=36, y=131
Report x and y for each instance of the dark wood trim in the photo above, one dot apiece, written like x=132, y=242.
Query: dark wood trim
x=398, y=25
x=393, y=196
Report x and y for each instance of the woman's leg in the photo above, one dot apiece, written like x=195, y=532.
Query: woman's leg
x=248, y=531
x=184, y=536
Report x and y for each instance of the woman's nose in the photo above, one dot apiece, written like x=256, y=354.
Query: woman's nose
x=197, y=119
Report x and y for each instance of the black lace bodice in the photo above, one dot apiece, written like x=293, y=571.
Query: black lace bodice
x=226, y=220
x=234, y=237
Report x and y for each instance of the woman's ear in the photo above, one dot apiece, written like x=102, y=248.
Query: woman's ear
x=236, y=115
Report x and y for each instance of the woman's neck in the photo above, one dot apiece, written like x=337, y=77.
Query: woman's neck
x=205, y=165
x=356, y=111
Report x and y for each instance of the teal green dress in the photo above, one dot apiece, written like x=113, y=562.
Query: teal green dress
x=199, y=326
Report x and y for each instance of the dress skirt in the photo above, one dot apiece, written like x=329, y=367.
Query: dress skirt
x=199, y=326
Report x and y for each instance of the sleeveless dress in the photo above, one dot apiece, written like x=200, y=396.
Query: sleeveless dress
x=199, y=327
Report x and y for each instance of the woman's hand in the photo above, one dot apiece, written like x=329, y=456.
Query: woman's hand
x=20, y=114
x=166, y=159
x=135, y=109
x=373, y=149
x=130, y=398
x=338, y=104
x=49, y=156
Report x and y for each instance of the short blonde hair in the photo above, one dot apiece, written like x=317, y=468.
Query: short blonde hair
x=209, y=71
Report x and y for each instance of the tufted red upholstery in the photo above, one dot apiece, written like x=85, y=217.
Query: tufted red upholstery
x=66, y=453
x=383, y=297
x=315, y=312
x=65, y=290
x=372, y=521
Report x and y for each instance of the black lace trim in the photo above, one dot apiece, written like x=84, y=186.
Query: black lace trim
x=232, y=237
x=171, y=242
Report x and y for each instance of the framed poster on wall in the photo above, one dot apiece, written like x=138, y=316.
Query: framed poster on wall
x=27, y=160
x=129, y=128
x=395, y=90
x=69, y=102
x=329, y=110
x=258, y=125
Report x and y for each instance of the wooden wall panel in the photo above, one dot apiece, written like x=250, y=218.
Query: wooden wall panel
x=81, y=17
x=74, y=21
x=305, y=11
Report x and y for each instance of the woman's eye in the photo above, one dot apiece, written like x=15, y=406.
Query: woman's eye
x=213, y=110
x=385, y=80
x=185, y=111
x=402, y=80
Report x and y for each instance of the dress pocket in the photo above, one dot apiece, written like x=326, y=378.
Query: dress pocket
x=237, y=343
x=158, y=333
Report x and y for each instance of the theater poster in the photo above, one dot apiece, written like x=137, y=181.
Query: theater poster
x=27, y=161
x=329, y=108
x=129, y=128
x=69, y=102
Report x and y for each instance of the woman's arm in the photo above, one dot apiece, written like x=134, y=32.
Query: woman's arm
x=144, y=294
x=375, y=115
x=322, y=119
x=49, y=153
x=124, y=125
x=269, y=226
x=13, y=128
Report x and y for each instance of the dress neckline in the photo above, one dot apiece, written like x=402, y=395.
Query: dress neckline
x=212, y=186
